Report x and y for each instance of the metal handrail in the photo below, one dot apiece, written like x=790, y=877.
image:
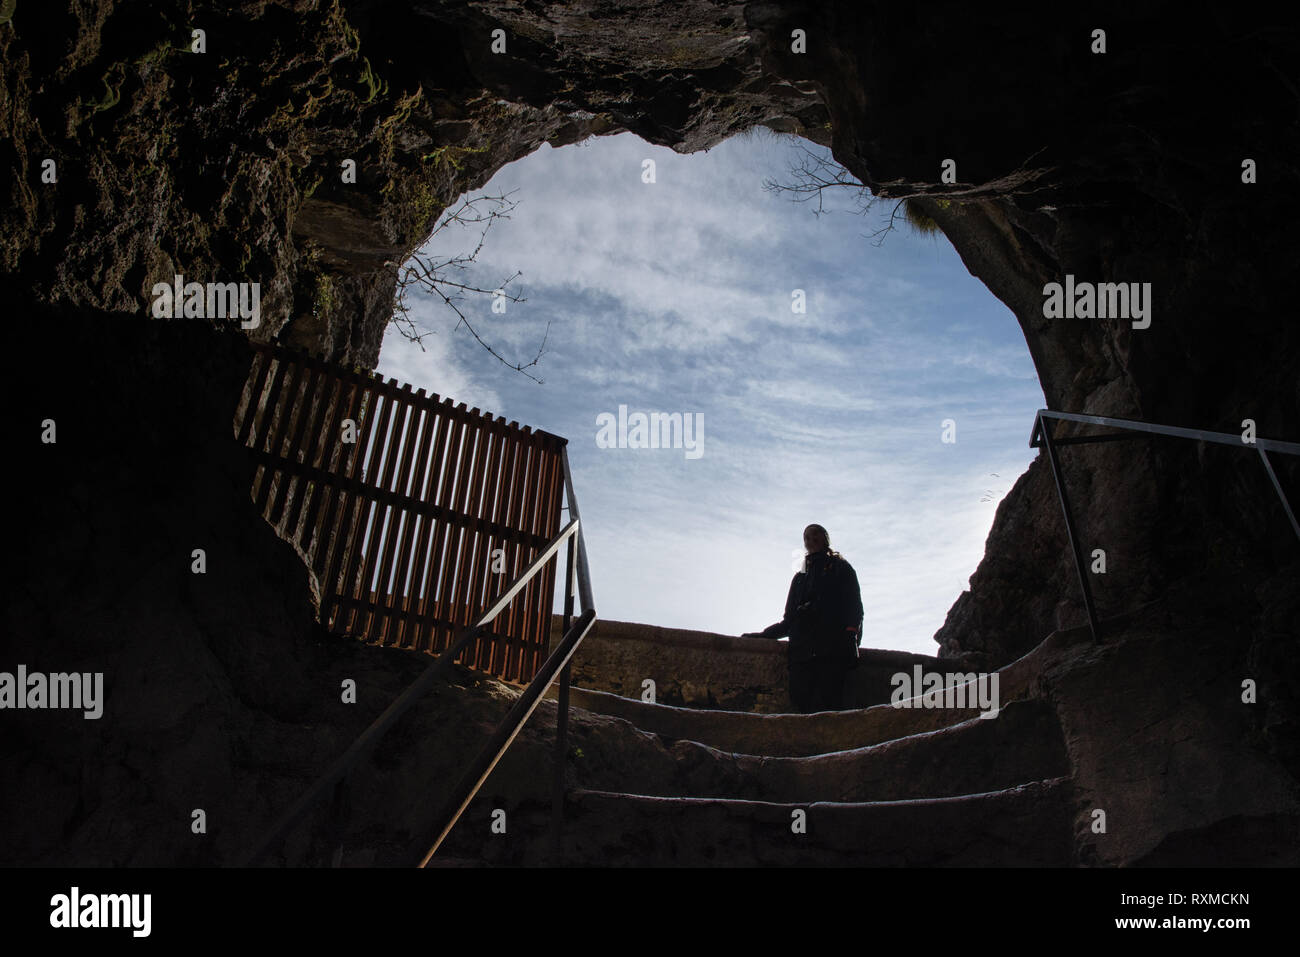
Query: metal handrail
x=506, y=731
x=1041, y=437
x=557, y=663
x=367, y=740
x=584, y=579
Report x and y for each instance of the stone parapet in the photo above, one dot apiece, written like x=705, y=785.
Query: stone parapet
x=700, y=669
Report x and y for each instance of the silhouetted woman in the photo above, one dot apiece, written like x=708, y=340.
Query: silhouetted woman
x=823, y=618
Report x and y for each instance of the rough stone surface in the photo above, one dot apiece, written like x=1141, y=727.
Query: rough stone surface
x=1160, y=737
x=698, y=669
x=224, y=166
x=1017, y=827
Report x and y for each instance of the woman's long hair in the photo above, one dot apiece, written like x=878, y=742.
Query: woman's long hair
x=826, y=535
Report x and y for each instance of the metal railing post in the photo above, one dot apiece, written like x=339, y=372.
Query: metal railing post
x=562, y=713
x=1042, y=438
x=414, y=692
x=506, y=732
x=584, y=569
x=1046, y=432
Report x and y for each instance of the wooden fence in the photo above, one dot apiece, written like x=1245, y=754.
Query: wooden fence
x=412, y=512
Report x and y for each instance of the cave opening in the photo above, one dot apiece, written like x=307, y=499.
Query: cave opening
x=822, y=367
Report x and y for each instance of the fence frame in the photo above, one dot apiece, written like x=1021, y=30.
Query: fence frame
x=400, y=522
x=478, y=464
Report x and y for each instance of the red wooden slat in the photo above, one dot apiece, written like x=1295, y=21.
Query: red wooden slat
x=319, y=521
x=522, y=621
x=421, y=639
x=454, y=561
x=283, y=413
x=539, y=602
x=517, y=623
x=263, y=367
x=544, y=598
x=387, y=549
x=548, y=515
x=481, y=590
x=331, y=404
x=546, y=578
x=514, y=508
x=433, y=577
x=472, y=542
x=259, y=439
x=342, y=533
x=308, y=403
x=520, y=610
x=501, y=513
x=382, y=514
x=394, y=632
x=368, y=516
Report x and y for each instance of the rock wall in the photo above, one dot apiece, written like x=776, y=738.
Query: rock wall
x=201, y=672
x=225, y=165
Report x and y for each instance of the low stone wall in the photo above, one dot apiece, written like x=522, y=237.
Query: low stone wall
x=699, y=669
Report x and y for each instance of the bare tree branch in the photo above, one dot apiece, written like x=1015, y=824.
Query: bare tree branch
x=436, y=276
x=814, y=172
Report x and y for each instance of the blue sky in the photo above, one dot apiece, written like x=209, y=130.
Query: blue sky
x=675, y=296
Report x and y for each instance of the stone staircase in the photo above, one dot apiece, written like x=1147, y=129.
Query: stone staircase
x=876, y=786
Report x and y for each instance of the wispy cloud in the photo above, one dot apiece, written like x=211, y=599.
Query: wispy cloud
x=676, y=296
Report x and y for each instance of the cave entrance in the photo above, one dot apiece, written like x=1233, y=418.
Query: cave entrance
x=731, y=367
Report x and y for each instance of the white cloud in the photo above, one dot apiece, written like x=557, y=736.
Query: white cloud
x=676, y=297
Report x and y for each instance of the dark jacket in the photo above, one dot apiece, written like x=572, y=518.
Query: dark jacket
x=823, y=612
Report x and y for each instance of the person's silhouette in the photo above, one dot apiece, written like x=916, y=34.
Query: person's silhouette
x=823, y=619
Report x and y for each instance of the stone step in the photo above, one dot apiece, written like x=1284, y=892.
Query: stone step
x=1025, y=826
x=872, y=771
x=1023, y=743
x=798, y=735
